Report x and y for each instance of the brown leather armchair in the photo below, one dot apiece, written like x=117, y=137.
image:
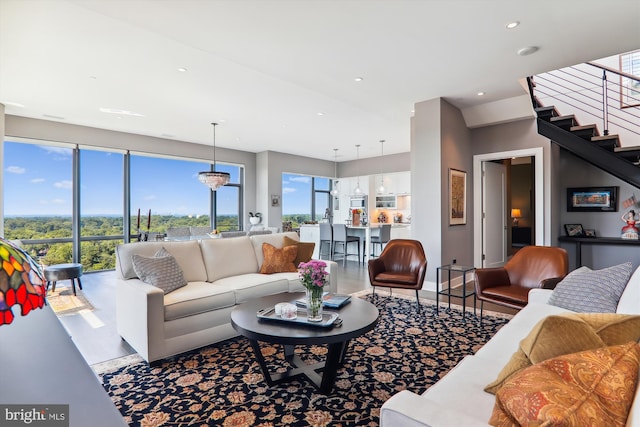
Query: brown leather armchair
x=402, y=264
x=531, y=267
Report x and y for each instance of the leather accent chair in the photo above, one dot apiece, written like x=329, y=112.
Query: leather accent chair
x=531, y=267
x=402, y=264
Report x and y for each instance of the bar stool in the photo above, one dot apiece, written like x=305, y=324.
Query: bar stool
x=340, y=236
x=56, y=272
x=326, y=236
x=381, y=238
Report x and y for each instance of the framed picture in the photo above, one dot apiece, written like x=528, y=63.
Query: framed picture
x=589, y=233
x=275, y=200
x=592, y=199
x=574, y=230
x=630, y=88
x=457, y=197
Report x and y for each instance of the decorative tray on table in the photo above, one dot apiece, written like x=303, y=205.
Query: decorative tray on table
x=328, y=319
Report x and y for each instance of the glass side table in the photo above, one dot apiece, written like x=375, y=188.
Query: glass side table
x=456, y=293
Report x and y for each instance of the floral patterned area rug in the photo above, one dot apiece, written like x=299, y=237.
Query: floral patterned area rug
x=222, y=384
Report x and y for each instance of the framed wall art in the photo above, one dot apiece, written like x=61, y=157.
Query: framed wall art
x=275, y=200
x=457, y=197
x=592, y=199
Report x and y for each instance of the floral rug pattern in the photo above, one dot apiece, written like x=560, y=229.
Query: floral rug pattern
x=222, y=384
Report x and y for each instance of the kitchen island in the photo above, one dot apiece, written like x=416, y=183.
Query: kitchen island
x=311, y=233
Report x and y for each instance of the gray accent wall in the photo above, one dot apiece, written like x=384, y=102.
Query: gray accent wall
x=575, y=172
x=457, y=240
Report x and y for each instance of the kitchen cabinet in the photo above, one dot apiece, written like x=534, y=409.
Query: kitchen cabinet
x=386, y=202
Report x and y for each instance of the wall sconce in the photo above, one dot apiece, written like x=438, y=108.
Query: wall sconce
x=515, y=214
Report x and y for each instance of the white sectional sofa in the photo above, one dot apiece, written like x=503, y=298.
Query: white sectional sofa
x=459, y=399
x=220, y=274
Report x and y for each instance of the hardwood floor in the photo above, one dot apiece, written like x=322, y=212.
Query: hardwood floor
x=95, y=334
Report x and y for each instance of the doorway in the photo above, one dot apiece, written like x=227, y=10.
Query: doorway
x=486, y=235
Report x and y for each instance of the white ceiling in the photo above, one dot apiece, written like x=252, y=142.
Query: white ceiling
x=266, y=68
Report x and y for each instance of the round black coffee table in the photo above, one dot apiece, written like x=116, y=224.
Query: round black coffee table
x=358, y=317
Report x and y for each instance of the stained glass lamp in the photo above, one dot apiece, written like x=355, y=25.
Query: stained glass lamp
x=21, y=282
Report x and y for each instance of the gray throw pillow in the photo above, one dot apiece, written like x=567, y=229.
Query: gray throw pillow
x=161, y=271
x=592, y=291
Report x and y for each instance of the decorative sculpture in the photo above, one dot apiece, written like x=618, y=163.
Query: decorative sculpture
x=630, y=231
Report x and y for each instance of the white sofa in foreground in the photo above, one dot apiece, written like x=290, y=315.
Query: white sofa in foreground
x=220, y=274
x=459, y=399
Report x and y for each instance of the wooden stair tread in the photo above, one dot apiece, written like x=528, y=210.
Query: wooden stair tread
x=586, y=131
x=545, y=113
x=627, y=149
x=565, y=122
x=604, y=138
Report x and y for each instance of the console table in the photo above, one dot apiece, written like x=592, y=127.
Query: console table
x=579, y=241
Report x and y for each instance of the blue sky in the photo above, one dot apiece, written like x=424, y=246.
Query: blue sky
x=38, y=181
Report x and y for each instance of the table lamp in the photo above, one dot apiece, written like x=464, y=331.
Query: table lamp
x=515, y=214
x=21, y=282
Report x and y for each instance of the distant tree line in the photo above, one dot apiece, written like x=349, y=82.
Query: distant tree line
x=95, y=254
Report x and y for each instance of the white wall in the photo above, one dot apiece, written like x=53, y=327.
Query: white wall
x=426, y=178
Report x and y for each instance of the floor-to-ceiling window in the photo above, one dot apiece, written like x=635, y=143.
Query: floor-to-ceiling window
x=42, y=180
x=169, y=189
x=38, y=199
x=101, y=207
x=305, y=198
x=228, y=200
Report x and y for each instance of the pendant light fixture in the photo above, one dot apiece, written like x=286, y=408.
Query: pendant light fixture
x=334, y=192
x=213, y=179
x=358, y=190
x=381, y=189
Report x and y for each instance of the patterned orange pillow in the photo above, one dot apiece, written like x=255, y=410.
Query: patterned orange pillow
x=593, y=387
x=278, y=260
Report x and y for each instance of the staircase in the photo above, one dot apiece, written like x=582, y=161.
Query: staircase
x=602, y=150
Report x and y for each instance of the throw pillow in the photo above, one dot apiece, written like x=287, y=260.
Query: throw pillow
x=592, y=291
x=305, y=249
x=568, y=333
x=161, y=271
x=594, y=387
x=278, y=260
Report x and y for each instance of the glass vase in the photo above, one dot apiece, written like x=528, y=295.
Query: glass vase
x=314, y=304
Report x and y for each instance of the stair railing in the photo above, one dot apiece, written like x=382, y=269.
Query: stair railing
x=594, y=89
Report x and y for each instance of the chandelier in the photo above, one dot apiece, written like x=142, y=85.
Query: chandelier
x=334, y=192
x=213, y=179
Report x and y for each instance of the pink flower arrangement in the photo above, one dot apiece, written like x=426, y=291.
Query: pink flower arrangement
x=313, y=274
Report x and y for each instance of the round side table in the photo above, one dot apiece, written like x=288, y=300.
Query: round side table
x=56, y=272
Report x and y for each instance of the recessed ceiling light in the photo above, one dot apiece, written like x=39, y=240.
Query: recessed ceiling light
x=12, y=104
x=182, y=70
x=51, y=116
x=480, y=93
x=527, y=50
x=358, y=79
x=119, y=111
x=320, y=113
x=512, y=25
